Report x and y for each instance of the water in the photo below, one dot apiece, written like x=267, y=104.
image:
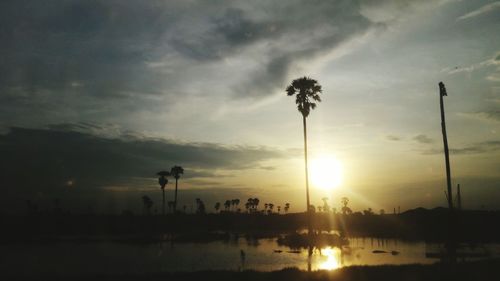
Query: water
x=263, y=255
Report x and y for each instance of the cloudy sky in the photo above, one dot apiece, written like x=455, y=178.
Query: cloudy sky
x=97, y=96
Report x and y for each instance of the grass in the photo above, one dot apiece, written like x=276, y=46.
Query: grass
x=479, y=270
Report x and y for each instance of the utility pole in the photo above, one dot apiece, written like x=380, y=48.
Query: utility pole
x=449, y=195
x=459, y=198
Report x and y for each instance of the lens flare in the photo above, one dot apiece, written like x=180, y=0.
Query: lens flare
x=326, y=172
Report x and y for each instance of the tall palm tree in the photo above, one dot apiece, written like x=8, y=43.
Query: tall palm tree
x=162, y=180
x=307, y=91
x=176, y=172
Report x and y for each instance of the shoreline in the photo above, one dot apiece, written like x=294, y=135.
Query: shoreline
x=474, y=270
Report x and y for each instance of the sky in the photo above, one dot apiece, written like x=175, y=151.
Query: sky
x=98, y=96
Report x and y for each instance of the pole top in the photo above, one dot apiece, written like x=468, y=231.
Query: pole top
x=442, y=89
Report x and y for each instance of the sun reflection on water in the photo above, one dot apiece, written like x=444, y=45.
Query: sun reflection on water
x=332, y=261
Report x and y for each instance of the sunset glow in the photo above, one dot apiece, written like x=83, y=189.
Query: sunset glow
x=326, y=172
x=332, y=259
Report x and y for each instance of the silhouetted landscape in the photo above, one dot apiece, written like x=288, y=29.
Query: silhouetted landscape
x=416, y=224
x=249, y=140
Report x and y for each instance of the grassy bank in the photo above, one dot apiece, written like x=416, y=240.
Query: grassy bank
x=480, y=270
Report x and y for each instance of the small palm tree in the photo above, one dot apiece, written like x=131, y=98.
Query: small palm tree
x=217, y=207
x=176, y=172
x=255, y=203
x=287, y=207
x=236, y=203
x=307, y=92
x=344, y=201
x=326, y=207
x=227, y=205
x=170, y=206
x=148, y=203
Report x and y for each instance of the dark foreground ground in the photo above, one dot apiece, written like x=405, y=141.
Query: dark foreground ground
x=480, y=270
x=416, y=224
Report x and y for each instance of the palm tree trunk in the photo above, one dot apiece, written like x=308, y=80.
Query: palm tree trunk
x=175, y=198
x=309, y=226
x=163, y=205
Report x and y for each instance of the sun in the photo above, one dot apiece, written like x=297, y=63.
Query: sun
x=326, y=172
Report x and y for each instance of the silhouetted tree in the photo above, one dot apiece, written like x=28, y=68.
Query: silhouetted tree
x=200, y=206
x=307, y=91
x=345, y=210
x=162, y=180
x=248, y=205
x=368, y=212
x=235, y=203
x=287, y=207
x=312, y=208
x=255, y=203
x=326, y=207
x=176, y=172
x=279, y=209
x=217, y=207
x=227, y=205
x=382, y=212
x=170, y=206
x=148, y=203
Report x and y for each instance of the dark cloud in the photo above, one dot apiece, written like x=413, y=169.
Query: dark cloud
x=393, y=138
x=477, y=148
x=423, y=139
x=44, y=160
x=76, y=55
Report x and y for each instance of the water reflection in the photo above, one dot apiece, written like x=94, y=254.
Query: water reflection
x=331, y=258
x=266, y=255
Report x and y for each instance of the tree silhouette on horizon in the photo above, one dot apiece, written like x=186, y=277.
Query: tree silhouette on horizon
x=148, y=203
x=162, y=180
x=307, y=92
x=176, y=172
x=345, y=210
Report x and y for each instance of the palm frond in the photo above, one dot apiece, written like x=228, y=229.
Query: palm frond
x=307, y=89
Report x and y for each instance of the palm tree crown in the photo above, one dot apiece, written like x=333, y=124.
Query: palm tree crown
x=307, y=91
x=176, y=172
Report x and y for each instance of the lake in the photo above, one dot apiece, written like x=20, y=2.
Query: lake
x=262, y=255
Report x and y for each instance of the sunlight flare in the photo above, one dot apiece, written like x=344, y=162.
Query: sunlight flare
x=332, y=259
x=326, y=172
